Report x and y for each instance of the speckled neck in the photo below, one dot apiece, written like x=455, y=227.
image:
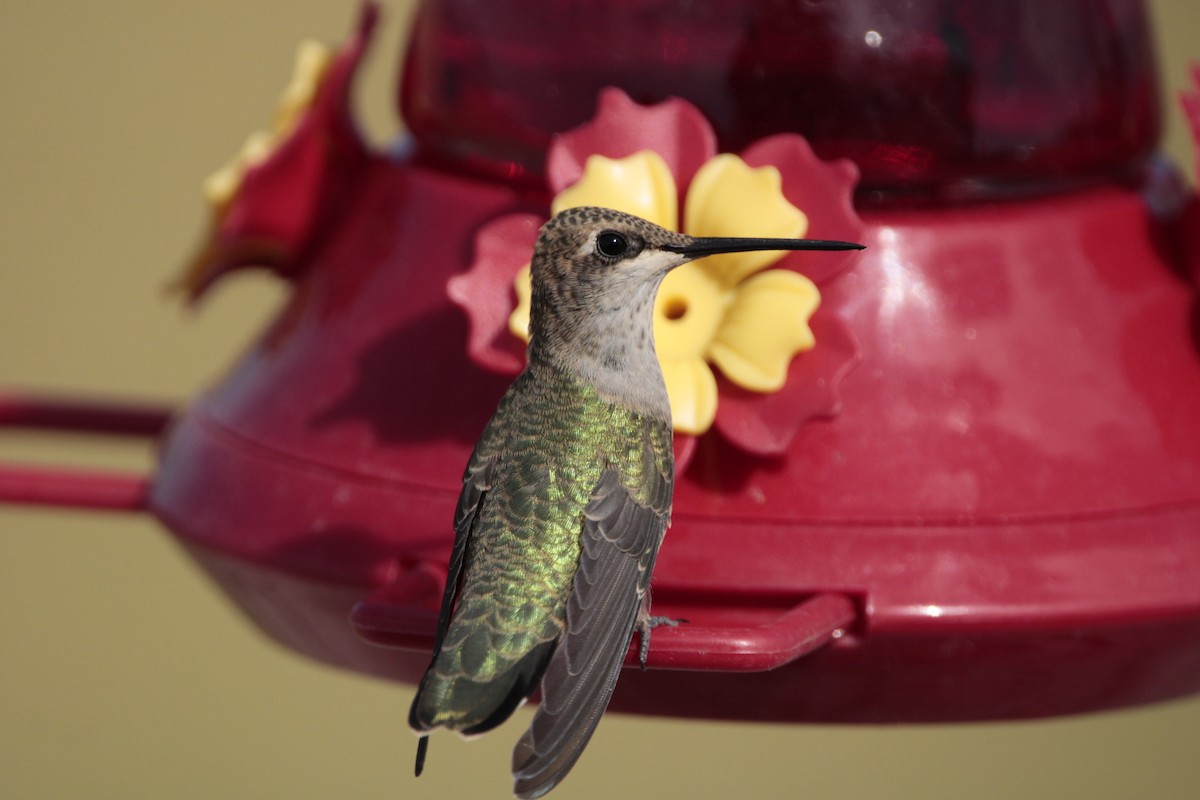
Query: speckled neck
x=609, y=346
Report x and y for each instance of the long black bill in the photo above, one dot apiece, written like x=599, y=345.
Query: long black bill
x=698, y=248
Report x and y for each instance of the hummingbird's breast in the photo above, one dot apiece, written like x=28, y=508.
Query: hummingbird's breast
x=556, y=437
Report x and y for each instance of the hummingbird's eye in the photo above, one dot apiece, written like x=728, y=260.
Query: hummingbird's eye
x=611, y=244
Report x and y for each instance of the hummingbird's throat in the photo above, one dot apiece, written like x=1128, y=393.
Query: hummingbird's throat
x=612, y=348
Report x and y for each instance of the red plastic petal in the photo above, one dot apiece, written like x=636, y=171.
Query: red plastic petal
x=675, y=129
x=765, y=424
x=485, y=291
x=823, y=190
x=284, y=203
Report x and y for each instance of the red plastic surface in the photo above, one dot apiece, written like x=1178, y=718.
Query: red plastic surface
x=90, y=489
x=81, y=414
x=750, y=640
x=101, y=490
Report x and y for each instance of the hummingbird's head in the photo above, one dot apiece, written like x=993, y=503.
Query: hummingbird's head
x=590, y=259
x=591, y=265
x=589, y=252
x=596, y=272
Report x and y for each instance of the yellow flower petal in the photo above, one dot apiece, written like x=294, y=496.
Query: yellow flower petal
x=692, y=390
x=687, y=312
x=639, y=184
x=220, y=187
x=766, y=325
x=518, y=320
x=728, y=198
x=312, y=62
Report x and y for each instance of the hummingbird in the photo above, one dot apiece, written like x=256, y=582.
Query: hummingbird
x=566, y=499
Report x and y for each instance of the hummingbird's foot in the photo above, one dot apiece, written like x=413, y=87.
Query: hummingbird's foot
x=644, y=626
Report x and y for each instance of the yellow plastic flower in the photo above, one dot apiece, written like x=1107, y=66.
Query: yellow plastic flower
x=312, y=62
x=723, y=309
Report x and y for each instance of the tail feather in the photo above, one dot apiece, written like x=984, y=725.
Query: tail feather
x=472, y=707
x=572, y=705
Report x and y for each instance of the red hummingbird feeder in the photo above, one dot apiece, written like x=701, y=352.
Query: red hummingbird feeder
x=978, y=499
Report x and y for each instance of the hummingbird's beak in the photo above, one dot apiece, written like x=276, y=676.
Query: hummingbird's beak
x=698, y=248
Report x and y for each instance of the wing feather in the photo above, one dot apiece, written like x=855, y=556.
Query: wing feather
x=621, y=537
x=477, y=481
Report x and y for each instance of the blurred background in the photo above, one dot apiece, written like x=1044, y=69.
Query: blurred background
x=124, y=674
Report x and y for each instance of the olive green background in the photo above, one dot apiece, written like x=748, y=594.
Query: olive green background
x=124, y=674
